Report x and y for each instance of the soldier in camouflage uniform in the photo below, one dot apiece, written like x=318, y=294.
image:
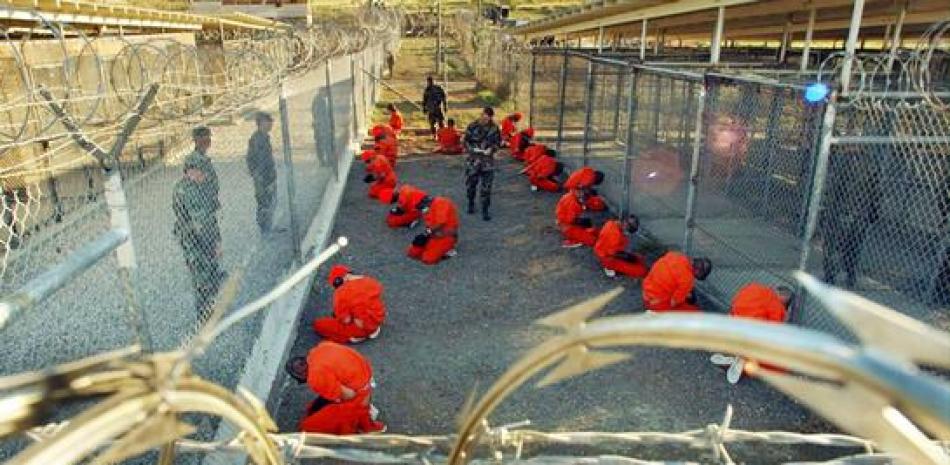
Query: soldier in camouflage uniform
x=195, y=204
x=260, y=164
x=482, y=139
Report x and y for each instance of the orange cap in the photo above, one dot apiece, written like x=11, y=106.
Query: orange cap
x=518, y=115
x=367, y=155
x=377, y=131
x=337, y=271
x=529, y=132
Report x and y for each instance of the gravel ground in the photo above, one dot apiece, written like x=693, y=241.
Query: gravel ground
x=458, y=325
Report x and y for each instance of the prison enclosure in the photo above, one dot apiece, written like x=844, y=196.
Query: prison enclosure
x=727, y=164
x=177, y=240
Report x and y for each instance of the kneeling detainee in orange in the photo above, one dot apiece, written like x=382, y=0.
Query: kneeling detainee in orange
x=612, y=251
x=358, y=308
x=669, y=284
x=405, y=200
x=343, y=382
x=757, y=302
x=576, y=229
x=441, y=234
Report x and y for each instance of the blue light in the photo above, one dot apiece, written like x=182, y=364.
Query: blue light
x=816, y=92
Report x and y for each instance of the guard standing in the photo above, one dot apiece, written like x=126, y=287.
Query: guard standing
x=195, y=203
x=482, y=139
x=434, y=105
x=260, y=164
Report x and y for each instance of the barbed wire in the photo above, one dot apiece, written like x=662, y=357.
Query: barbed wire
x=507, y=445
x=906, y=77
x=99, y=82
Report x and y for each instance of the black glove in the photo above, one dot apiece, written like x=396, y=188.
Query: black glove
x=626, y=256
x=583, y=222
x=591, y=192
x=396, y=211
x=421, y=240
x=369, y=178
x=691, y=298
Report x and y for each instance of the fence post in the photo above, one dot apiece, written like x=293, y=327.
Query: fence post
x=690, y=220
x=819, y=175
x=328, y=86
x=561, y=92
x=534, y=58
x=289, y=165
x=588, y=103
x=356, y=121
x=616, y=127
x=626, y=177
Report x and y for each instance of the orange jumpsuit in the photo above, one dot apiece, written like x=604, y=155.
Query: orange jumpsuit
x=568, y=210
x=508, y=128
x=384, y=174
x=396, y=121
x=442, y=219
x=669, y=283
x=532, y=153
x=386, y=142
x=330, y=366
x=583, y=179
x=612, y=241
x=450, y=141
x=541, y=172
x=521, y=142
x=758, y=302
x=409, y=198
x=356, y=299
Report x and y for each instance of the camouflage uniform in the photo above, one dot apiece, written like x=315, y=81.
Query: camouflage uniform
x=196, y=225
x=203, y=162
x=479, y=167
x=260, y=163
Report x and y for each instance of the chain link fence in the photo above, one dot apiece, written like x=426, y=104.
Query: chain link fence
x=725, y=165
x=502, y=64
x=196, y=215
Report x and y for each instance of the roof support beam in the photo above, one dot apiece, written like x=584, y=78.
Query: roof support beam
x=809, y=34
x=716, y=45
x=634, y=13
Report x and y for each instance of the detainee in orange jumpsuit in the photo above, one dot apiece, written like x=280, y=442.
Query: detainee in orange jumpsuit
x=521, y=142
x=385, y=142
x=669, y=284
x=449, y=140
x=611, y=249
x=536, y=151
x=395, y=119
x=441, y=219
x=343, y=382
x=584, y=180
x=509, y=125
x=543, y=173
x=358, y=308
x=757, y=302
x=405, y=212
x=382, y=176
x=577, y=230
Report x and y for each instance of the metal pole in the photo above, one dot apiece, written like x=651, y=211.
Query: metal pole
x=616, y=126
x=438, y=53
x=694, y=170
x=561, y=92
x=853, y=31
x=819, y=176
x=716, y=44
x=643, y=40
x=534, y=58
x=289, y=166
x=328, y=86
x=625, y=207
x=809, y=34
x=786, y=38
x=41, y=287
x=656, y=43
x=600, y=39
x=589, y=102
x=356, y=121
x=896, y=38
